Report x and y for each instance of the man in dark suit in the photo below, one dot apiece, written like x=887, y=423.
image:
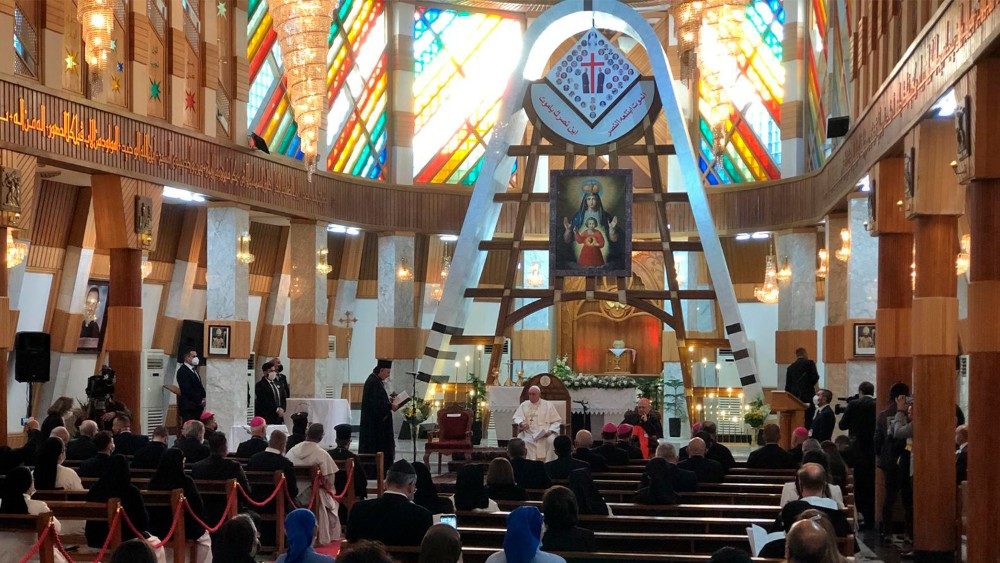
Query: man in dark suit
x=126, y=443
x=649, y=420
x=148, y=456
x=282, y=379
x=801, y=378
x=824, y=421
x=812, y=483
x=564, y=462
x=584, y=442
x=716, y=451
x=528, y=473
x=82, y=447
x=100, y=462
x=192, y=441
x=257, y=443
x=393, y=518
x=609, y=449
x=770, y=455
x=269, y=398
x=859, y=421
x=191, y=401
x=707, y=470
x=682, y=480
x=216, y=466
x=342, y=452
x=272, y=459
x=961, y=454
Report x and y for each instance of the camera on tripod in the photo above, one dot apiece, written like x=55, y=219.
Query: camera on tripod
x=101, y=387
x=841, y=408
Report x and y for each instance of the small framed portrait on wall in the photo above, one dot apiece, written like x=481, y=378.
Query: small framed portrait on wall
x=864, y=339
x=218, y=340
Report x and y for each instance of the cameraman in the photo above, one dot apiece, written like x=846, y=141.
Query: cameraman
x=859, y=421
x=892, y=456
x=102, y=406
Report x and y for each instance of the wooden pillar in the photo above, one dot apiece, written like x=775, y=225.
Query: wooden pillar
x=979, y=91
x=8, y=324
x=127, y=216
x=933, y=202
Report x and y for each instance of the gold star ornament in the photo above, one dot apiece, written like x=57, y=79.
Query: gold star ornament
x=71, y=63
x=221, y=9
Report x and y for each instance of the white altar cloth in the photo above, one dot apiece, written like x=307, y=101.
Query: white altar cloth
x=329, y=412
x=605, y=405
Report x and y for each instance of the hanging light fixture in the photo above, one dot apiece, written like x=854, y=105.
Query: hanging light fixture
x=534, y=276
x=96, y=21
x=445, y=264
x=913, y=269
x=404, y=273
x=824, y=264
x=768, y=293
x=145, y=267
x=963, y=259
x=243, y=254
x=785, y=272
x=302, y=27
x=687, y=16
x=844, y=252
x=322, y=264
x=17, y=251
x=437, y=293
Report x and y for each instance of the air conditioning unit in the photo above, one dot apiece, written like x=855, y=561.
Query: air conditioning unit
x=152, y=408
x=331, y=346
x=506, y=347
x=330, y=392
x=251, y=383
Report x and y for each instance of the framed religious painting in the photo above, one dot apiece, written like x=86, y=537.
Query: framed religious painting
x=590, y=223
x=92, y=328
x=864, y=340
x=218, y=340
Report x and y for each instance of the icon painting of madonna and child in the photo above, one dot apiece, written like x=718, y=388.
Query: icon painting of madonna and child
x=590, y=223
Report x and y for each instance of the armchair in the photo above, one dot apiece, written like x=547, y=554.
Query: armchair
x=452, y=435
x=555, y=391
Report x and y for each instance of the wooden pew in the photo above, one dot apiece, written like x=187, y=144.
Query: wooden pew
x=700, y=510
x=676, y=524
x=480, y=554
x=32, y=523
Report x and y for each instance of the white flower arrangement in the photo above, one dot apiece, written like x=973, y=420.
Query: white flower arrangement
x=564, y=372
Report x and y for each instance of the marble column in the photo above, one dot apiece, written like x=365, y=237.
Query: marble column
x=227, y=301
x=935, y=205
x=342, y=319
x=834, y=365
x=396, y=337
x=308, y=331
x=67, y=316
x=862, y=289
x=796, y=298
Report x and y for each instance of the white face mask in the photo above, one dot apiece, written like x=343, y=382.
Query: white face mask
x=816, y=400
x=195, y=361
x=271, y=376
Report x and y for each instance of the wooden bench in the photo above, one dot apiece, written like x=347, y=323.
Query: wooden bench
x=715, y=510
x=677, y=524
x=37, y=524
x=480, y=554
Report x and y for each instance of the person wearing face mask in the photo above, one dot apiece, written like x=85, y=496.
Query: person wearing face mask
x=191, y=401
x=281, y=379
x=824, y=421
x=270, y=399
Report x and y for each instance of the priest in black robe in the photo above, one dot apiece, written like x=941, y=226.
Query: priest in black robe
x=376, y=415
x=645, y=417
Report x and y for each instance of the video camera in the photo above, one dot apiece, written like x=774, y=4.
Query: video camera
x=101, y=386
x=840, y=409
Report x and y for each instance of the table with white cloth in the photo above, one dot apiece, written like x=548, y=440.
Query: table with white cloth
x=605, y=405
x=328, y=412
x=241, y=433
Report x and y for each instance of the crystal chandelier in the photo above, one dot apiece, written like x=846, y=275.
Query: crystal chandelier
x=145, y=267
x=437, y=293
x=302, y=27
x=322, y=262
x=963, y=259
x=445, y=264
x=243, y=254
x=844, y=252
x=768, y=293
x=534, y=276
x=824, y=264
x=96, y=21
x=404, y=273
x=687, y=16
x=17, y=251
x=785, y=273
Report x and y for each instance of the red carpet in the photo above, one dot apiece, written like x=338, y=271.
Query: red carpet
x=331, y=549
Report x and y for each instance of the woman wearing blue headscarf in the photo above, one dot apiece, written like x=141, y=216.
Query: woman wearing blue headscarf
x=300, y=528
x=523, y=538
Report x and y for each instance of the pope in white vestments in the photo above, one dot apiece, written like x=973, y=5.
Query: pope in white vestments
x=311, y=454
x=538, y=425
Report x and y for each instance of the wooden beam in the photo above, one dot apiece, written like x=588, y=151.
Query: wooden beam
x=639, y=245
x=543, y=197
x=580, y=150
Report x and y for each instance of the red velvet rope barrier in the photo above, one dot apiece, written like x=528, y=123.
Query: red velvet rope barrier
x=112, y=530
x=38, y=544
x=277, y=489
x=173, y=527
x=347, y=485
x=62, y=550
x=212, y=529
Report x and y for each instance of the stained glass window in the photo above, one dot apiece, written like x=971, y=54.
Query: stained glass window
x=356, y=134
x=462, y=62
x=753, y=79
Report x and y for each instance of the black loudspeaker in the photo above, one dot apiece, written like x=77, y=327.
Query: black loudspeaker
x=837, y=126
x=192, y=338
x=31, y=357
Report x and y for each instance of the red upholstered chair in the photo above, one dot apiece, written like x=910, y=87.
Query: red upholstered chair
x=452, y=435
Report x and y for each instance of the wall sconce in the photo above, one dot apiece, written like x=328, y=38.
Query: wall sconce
x=963, y=259
x=534, y=276
x=17, y=251
x=322, y=265
x=145, y=267
x=844, y=252
x=243, y=254
x=437, y=293
x=913, y=269
x=785, y=272
x=824, y=263
x=404, y=273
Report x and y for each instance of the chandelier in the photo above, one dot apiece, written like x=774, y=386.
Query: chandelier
x=437, y=293
x=302, y=27
x=824, y=264
x=145, y=267
x=243, y=254
x=768, y=293
x=963, y=259
x=322, y=262
x=785, y=272
x=844, y=252
x=17, y=251
x=404, y=273
x=687, y=16
x=534, y=276
x=96, y=21
x=445, y=265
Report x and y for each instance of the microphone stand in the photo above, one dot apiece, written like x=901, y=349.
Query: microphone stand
x=413, y=427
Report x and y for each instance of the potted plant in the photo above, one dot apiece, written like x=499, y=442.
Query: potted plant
x=475, y=402
x=414, y=413
x=674, y=405
x=757, y=412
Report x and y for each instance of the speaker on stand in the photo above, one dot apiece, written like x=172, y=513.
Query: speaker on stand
x=31, y=360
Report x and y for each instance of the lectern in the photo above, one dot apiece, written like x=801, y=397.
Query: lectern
x=791, y=414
